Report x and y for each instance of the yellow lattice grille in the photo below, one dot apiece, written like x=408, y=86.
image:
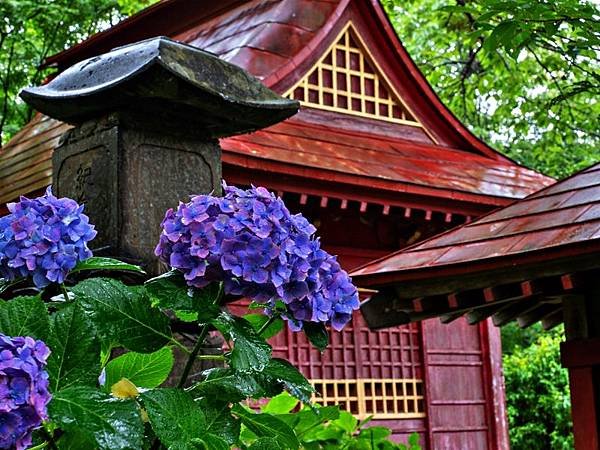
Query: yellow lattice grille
x=382, y=399
x=346, y=79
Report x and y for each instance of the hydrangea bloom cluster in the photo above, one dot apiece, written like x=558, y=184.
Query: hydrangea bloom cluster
x=23, y=389
x=249, y=240
x=43, y=238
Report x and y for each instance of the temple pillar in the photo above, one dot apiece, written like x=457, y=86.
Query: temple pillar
x=580, y=354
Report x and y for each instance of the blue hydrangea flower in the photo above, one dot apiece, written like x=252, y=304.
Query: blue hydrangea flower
x=250, y=241
x=23, y=389
x=43, y=238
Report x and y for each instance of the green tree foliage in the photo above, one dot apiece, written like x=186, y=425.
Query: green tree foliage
x=513, y=336
x=537, y=395
x=32, y=30
x=523, y=74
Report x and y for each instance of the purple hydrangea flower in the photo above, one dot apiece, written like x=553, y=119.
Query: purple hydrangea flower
x=43, y=238
x=23, y=389
x=249, y=240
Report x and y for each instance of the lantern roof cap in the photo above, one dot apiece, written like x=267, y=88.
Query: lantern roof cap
x=163, y=77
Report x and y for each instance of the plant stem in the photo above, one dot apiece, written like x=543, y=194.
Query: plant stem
x=65, y=293
x=49, y=437
x=194, y=353
x=41, y=446
x=193, y=356
x=266, y=325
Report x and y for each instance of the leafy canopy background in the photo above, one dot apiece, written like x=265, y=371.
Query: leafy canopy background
x=523, y=74
x=32, y=30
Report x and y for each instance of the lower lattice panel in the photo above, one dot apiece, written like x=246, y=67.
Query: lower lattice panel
x=381, y=399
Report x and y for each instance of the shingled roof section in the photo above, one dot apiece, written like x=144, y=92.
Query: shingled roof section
x=560, y=219
x=386, y=162
x=521, y=262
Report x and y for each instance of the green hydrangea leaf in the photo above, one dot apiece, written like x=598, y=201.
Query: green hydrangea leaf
x=209, y=441
x=374, y=434
x=229, y=385
x=123, y=314
x=281, y=371
x=266, y=425
x=110, y=423
x=170, y=291
x=317, y=335
x=280, y=404
x=175, y=417
x=24, y=316
x=101, y=263
x=305, y=423
x=75, y=357
x=219, y=421
x=347, y=422
x=258, y=320
x=250, y=352
x=74, y=440
x=145, y=370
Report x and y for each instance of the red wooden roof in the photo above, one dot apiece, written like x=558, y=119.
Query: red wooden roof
x=560, y=221
x=279, y=41
x=386, y=162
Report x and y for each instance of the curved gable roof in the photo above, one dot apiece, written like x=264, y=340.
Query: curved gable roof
x=278, y=42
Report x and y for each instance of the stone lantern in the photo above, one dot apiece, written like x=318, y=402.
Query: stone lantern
x=147, y=118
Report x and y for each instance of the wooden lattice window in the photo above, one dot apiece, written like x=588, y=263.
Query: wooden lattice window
x=348, y=80
x=382, y=399
x=368, y=373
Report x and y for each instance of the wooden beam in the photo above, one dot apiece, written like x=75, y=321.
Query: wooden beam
x=443, y=285
x=451, y=317
x=466, y=299
x=580, y=353
x=385, y=310
x=479, y=314
x=514, y=309
x=431, y=305
x=584, y=408
x=553, y=320
x=503, y=303
x=502, y=292
x=541, y=312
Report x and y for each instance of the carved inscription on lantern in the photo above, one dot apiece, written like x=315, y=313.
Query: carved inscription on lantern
x=83, y=177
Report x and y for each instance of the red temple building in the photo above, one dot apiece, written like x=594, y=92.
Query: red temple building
x=375, y=160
